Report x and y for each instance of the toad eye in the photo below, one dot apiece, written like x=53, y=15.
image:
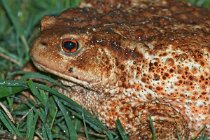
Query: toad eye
x=70, y=46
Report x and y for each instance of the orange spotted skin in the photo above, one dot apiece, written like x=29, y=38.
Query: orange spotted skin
x=133, y=60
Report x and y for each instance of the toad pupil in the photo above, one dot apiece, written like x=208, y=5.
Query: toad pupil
x=70, y=46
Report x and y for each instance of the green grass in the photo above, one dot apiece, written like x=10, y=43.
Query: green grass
x=28, y=108
x=17, y=31
x=200, y=3
x=47, y=114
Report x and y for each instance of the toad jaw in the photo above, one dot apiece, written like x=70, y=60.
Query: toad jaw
x=70, y=78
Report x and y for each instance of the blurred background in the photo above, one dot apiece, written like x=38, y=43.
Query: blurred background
x=19, y=22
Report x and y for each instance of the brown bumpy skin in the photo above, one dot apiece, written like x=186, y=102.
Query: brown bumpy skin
x=134, y=58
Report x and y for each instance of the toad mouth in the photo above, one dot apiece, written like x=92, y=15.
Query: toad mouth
x=61, y=75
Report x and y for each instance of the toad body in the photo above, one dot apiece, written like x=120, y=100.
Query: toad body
x=132, y=62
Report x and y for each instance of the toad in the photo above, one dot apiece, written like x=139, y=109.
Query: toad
x=132, y=62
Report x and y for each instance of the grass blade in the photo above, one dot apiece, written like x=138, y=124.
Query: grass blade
x=152, y=127
x=13, y=18
x=71, y=129
x=8, y=91
x=9, y=125
x=48, y=130
x=121, y=130
x=35, y=91
x=31, y=123
x=85, y=127
x=44, y=133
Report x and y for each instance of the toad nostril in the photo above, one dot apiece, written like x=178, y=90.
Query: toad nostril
x=70, y=70
x=43, y=43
